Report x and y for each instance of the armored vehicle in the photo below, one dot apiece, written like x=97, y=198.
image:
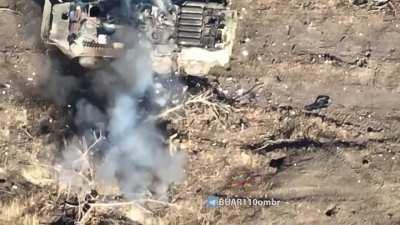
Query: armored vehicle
x=189, y=36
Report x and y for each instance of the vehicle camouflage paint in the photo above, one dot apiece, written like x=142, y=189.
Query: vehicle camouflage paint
x=186, y=36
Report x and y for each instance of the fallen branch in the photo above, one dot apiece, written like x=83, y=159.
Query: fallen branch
x=27, y=133
x=215, y=109
x=203, y=98
x=302, y=143
x=254, y=87
x=86, y=214
x=172, y=146
x=11, y=11
x=118, y=204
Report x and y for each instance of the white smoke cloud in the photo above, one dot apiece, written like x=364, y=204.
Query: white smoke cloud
x=137, y=159
x=164, y=5
x=133, y=155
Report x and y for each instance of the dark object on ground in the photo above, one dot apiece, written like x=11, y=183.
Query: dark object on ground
x=301, y=143
x=331, y=211
x=360, y=2
x=277, y=163
x=322, y=101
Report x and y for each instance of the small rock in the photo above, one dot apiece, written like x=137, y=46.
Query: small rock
x=331, y=210
x=240, y=92
x=4, y=86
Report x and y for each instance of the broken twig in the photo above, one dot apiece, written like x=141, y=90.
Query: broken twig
x=11, y=11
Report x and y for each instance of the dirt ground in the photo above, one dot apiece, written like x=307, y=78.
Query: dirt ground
x=337, y=166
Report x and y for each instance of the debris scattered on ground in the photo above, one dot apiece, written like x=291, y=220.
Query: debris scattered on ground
x=244, y=128
x=321, y=102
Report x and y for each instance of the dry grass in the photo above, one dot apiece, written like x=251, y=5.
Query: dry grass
x=89, y=206
x=144, y=211
x=38, y=175
x=16, y=213
x=204, y=103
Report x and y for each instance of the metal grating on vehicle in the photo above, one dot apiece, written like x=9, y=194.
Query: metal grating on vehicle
x=199, y=25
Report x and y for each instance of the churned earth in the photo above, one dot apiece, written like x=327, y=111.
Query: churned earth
x=246, y=134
